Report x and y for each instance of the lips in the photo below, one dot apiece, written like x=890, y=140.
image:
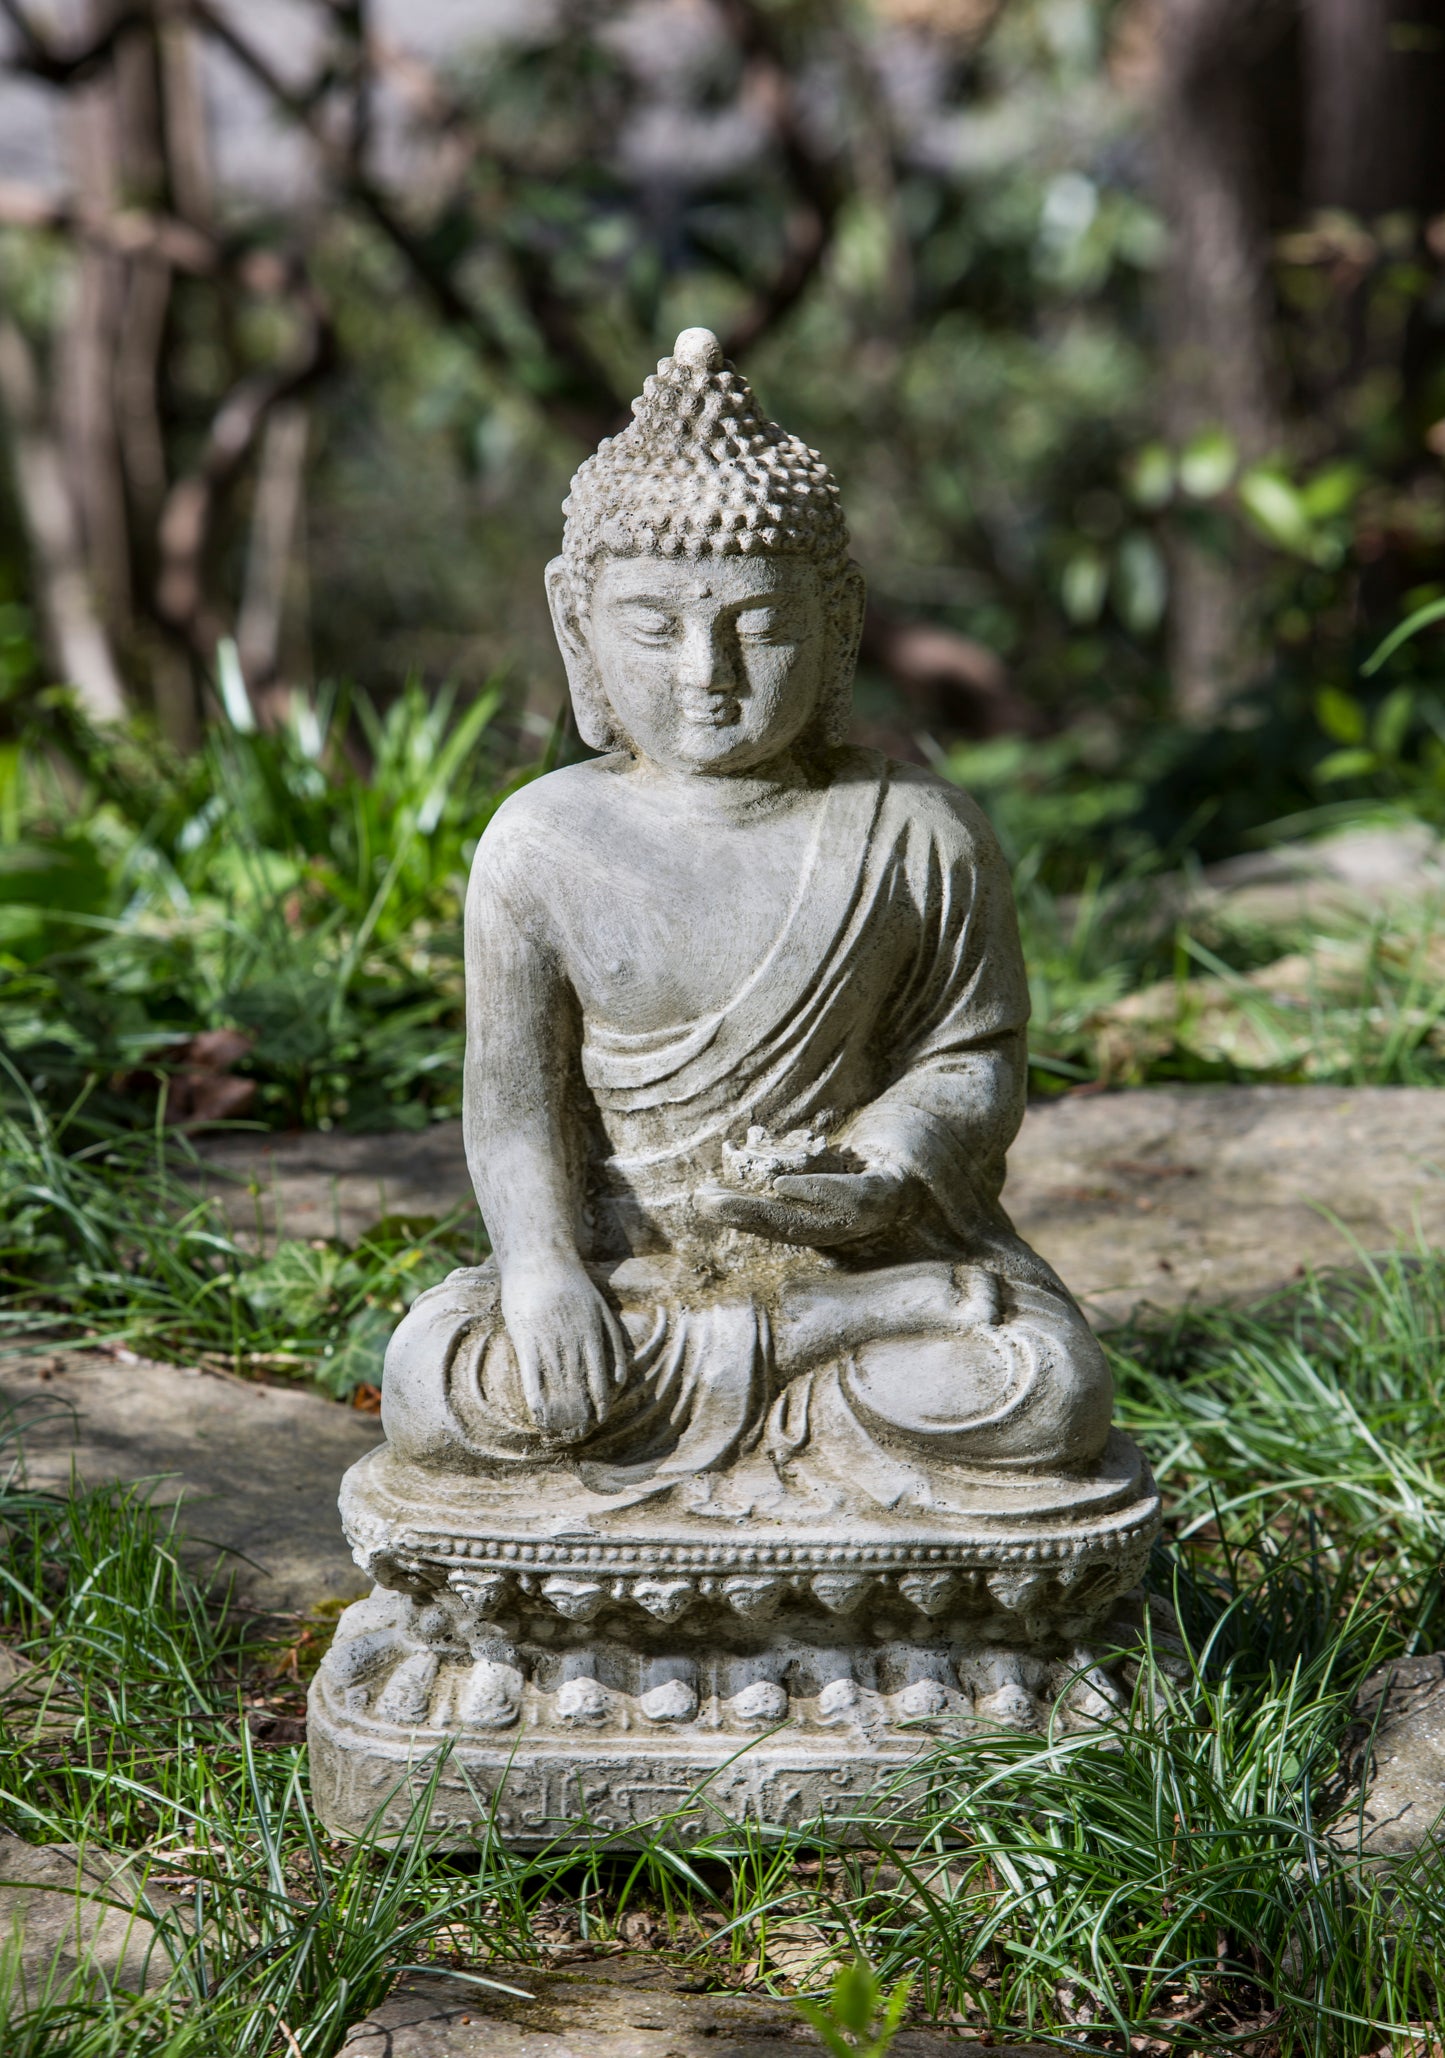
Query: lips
x=718, y=711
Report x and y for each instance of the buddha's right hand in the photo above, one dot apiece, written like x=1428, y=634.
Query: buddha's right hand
x=570, y=1348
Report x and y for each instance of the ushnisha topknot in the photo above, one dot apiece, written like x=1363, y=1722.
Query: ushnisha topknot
x=700, y=471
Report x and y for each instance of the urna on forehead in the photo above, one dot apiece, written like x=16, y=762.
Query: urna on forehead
x=701, y=472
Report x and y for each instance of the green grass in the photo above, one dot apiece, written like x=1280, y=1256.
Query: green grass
x=1170, y=1881
x=1165, y=1883
x=270, y=892
x=110, y=1240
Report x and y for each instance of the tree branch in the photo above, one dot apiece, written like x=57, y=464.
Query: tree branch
x=133, y=232
x=817, y=184
x=598, y=404
x=192, y=503
x=42, y=60
x=301, y=107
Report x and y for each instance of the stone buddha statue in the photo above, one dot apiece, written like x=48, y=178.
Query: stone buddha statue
x=762, y=1421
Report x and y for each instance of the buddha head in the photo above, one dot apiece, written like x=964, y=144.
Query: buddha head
x=706, y=607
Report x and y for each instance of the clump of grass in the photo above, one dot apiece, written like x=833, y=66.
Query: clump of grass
x=299, y=887
x=1166, y=1878
x=109, y=1242
x=1326, y=1401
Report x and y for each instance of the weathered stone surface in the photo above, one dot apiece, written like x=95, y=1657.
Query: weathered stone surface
x=625, y=2007
x=1160, y=1194
x=258, y=1466
x=1402, y=1745
x=77, y=1921
x=1171, y=1193
x=309, y=1184
x=1362, y=872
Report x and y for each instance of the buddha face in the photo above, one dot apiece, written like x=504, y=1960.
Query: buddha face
x=710, y=666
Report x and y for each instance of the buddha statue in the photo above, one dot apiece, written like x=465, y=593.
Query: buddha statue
x=762, y=1441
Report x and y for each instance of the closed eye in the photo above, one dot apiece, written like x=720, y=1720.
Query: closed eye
x=764, y=625
x=650, y=623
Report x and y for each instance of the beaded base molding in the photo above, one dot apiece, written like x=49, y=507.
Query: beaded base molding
x=590, y=1684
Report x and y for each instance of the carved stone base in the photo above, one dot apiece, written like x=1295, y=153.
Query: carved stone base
x=653, y=1662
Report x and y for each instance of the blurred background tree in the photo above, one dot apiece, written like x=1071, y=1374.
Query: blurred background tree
x=1121, y=323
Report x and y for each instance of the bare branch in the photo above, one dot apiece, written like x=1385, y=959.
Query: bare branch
x=598, y=404
x=132, y=232
x=193, y=501
x=813, y=177
x=301, y=107
x=40, y=59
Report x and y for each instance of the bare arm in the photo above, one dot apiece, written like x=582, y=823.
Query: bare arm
x=521, y=1055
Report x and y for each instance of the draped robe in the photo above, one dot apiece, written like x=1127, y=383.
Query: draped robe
x=889, y=1011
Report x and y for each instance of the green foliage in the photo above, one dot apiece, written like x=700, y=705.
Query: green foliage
x=113, y=1241
x=860, y=2020
x=267, y=886
x=1391, y=752
x=1330, y=1399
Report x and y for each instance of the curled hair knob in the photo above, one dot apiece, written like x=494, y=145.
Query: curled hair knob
x=700, y=347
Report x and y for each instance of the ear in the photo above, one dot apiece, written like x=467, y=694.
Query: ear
x=851, y=602
x=596, y=724
x=845, y=633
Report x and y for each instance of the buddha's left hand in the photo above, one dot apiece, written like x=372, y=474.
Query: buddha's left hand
x=815, y=1208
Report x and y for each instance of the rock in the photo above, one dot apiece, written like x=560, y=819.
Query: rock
x=77, y=1921
x=624, y=2007
x=1167, y=1194
x=1371, y=869
x=1401, y=1713
x=258, y=1466
x=15, y=1674
x=35, y=1705
x=1159, y=1194
x=1356, y=874
x=334, y=1184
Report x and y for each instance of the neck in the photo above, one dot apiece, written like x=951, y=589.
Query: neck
x=731, y=796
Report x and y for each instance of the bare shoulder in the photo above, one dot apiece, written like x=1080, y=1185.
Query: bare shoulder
x=538, y=828
x=951, y=817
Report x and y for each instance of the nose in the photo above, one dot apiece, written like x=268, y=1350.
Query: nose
x=706, y=662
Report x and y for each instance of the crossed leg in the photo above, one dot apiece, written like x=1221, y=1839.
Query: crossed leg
x=833, y=1313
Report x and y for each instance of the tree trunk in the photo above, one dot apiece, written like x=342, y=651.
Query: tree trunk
x=1375, y=126
x=276, y=515
x=84, y=385
x=78, y=644
x=1218, y=311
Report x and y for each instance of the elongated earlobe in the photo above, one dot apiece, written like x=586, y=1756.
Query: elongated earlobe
x=596, y=723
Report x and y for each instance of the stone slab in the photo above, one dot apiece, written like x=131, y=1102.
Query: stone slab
x=1215, y=1193
x=1160, y=1194
x=72, y=1922
x=624, y=2007
x=258, y=1466
x=1401, y=1712
x=312, y=1184
x=1157, y=1194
